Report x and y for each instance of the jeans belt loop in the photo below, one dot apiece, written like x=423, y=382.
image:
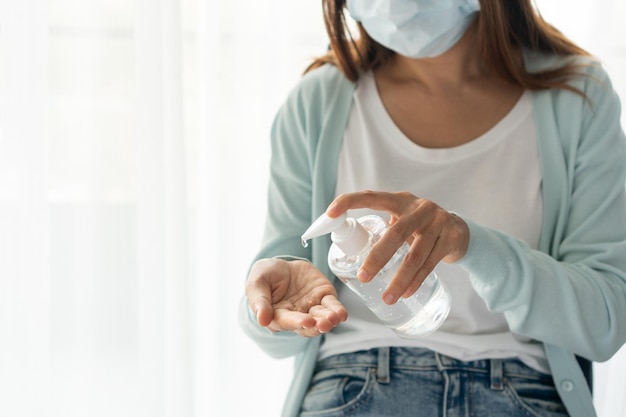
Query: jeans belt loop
x=496, y=375
x=382, y=372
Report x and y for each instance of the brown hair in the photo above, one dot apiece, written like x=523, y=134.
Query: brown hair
x=504, y=26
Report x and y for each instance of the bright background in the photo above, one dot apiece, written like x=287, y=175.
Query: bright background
x=133, y=163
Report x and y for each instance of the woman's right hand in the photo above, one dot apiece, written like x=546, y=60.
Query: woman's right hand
x=293, y=296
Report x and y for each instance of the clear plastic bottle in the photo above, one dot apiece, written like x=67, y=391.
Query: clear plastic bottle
x=415, y=316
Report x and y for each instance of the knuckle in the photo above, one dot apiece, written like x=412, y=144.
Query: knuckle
x=342, y=196
x=454, y=232
x=412, y=259
x=405, y=195
x=317, y=294
x=429, y=264
x=443, y=216
x=370, y=195
x=395, y=234
x=430, y=206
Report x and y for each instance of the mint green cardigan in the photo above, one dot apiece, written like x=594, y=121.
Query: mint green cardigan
x=570, y=294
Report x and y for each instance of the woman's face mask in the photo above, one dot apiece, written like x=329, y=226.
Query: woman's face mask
x=415, y=28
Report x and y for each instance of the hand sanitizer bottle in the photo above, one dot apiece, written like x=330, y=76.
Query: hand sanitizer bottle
x=415, y=316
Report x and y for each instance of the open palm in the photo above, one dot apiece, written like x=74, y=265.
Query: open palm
x=293, y=296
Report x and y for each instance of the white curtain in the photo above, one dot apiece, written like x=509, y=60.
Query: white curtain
x=133, y=166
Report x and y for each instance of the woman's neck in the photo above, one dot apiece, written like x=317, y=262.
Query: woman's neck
x=445, y=74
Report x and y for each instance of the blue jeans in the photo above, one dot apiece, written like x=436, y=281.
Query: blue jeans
x=418, y=382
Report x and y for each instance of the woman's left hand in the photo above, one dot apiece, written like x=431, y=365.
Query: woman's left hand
x=434, y=235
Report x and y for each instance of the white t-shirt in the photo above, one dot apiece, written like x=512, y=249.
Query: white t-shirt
x=494, y=179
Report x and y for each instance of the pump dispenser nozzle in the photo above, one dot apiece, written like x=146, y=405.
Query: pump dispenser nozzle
x=347, y=233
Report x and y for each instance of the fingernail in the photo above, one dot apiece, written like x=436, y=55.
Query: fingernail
x=363, y=275
x=389, y=298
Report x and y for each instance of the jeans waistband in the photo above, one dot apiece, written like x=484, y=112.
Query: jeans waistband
x=386, y=359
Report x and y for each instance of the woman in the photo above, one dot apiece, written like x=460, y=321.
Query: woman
x=494, y=147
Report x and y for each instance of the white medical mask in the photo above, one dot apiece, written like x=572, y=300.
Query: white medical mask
x=415, y=28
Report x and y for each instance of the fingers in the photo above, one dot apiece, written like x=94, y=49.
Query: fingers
x=434, y=235
x=289, y=320
x=279, y=317
x=329, y=313
x=425, y=252
x=448, y=243
x=320, y=319
x=418, y=226
x=374, y=200
x=413, y=272
x=400, y=206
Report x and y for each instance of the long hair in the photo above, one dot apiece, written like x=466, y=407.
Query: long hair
x=504, y=27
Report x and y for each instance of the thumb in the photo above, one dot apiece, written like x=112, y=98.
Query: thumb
x=259, y=299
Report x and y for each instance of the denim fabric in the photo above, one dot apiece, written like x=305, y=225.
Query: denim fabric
x=417, y=382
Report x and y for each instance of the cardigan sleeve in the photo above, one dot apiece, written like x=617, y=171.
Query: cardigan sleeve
x=291, y=200
x=575, y=296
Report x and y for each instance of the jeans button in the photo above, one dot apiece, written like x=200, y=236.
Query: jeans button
x=567, y=385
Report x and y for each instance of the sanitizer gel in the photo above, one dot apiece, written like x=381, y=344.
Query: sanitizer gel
x=415, y=316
